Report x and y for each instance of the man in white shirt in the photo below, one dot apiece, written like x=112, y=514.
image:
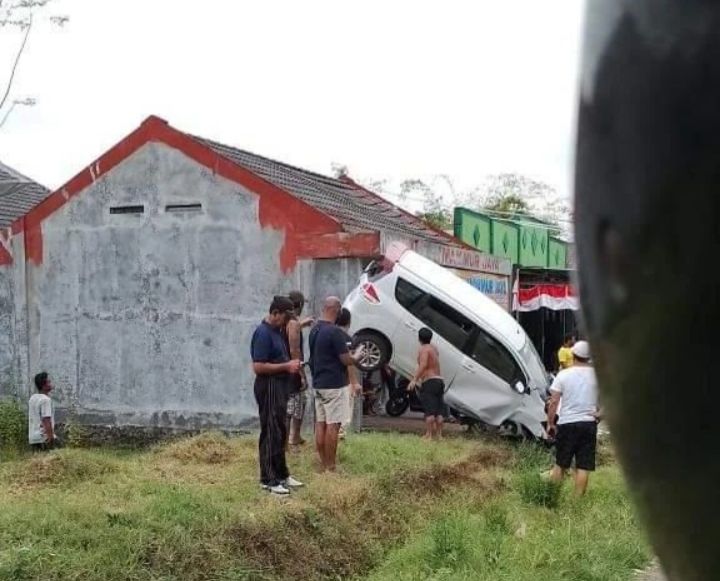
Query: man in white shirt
x=41, y=416
x=576, y=429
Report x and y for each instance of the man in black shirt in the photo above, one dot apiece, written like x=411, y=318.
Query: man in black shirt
x=274, y=372
x=332, y=371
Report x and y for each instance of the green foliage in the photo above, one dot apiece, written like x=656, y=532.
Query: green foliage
x=538, y=490
x=440, y=220
x=13, y=426
x=74, y=433
x=593, y=538
x=450, y=543
x=508, y=204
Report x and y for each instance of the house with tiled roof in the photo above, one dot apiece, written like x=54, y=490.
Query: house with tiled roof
x=139, y=282
x=18, y=195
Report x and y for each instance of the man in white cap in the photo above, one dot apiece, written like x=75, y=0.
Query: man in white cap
x=576, y=429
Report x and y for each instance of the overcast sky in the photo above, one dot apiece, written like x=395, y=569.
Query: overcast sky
x=392, y=89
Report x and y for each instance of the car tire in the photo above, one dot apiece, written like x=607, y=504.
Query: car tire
x=377, y=351
x=397, y=407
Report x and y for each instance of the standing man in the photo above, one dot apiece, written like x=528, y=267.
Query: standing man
x=344, y=321
x=274, y=373
x=41, y=415
x=333, y=369
x=297, y=400
x=565, y=356
x=577, y=424
x=430, y=385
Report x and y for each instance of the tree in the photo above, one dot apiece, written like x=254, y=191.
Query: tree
x=435, y=212
x=19, y=14
x=507, y=204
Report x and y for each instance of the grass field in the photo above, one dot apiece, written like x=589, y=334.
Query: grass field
x=400, y=509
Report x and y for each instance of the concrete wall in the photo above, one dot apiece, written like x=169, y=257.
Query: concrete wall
x=13, y=325
x=146, y=319
x=7, y=331
x=332, y=277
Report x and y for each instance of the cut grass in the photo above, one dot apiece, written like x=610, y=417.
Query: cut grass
x=192, y=509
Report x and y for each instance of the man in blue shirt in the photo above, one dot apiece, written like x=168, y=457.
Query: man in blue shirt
x=274, y=372
x=333, y=370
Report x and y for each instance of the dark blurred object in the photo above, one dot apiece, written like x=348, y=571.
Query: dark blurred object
x=648, y=233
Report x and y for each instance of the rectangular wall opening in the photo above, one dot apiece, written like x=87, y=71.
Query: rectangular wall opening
x=183, y=208
x=127, y=210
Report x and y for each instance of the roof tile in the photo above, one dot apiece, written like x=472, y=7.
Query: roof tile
x=18, y=195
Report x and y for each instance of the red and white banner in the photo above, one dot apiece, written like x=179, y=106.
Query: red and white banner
x=556, y=297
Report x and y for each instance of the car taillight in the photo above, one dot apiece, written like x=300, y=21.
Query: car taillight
x=370, y=293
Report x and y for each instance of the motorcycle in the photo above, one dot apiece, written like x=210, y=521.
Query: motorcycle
x=400, y=399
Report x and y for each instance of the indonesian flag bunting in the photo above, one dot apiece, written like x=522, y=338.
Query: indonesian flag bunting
x=556, y=297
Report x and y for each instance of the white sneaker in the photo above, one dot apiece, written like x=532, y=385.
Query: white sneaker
x=290, y=482
x=278, y=489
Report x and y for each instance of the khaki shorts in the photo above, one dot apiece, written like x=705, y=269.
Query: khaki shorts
x=331, y=405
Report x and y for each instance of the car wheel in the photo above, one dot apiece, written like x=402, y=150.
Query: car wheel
x=376, y=351
x=397, y=407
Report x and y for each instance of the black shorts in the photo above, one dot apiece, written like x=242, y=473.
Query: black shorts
x=577, y=440
x=430, y=394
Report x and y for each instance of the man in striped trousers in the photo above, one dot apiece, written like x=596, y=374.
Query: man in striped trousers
x=273, y=375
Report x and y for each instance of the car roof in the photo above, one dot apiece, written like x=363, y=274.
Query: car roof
x=460, y=292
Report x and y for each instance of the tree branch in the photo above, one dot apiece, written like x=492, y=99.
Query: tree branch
x=15, y=65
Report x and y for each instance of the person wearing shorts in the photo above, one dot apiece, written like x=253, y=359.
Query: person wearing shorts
x=333, y=370
x=297, y=397
x=576, y=429
x=429, y=385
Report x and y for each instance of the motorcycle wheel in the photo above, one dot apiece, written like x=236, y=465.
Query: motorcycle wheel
x=396, y=407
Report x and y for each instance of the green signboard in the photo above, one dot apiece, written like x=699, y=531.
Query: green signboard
x=534, y=241
x=505, y=240
x=525, y=242
x=557, y=255
x=473, y=229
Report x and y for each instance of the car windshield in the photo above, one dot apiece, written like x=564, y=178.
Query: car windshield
x=533, y=364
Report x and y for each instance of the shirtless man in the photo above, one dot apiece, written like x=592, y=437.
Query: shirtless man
x=430, y=385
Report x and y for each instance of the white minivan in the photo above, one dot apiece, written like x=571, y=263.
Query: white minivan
x=492, y=372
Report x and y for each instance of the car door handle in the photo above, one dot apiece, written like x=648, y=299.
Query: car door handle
x=469, y=367
x=411, y=325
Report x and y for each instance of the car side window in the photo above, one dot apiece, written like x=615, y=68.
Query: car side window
x=493, y=356
x=451, y=325
x=446, y=322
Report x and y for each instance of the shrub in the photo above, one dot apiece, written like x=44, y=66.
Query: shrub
x=534, y=489
x=13, y=426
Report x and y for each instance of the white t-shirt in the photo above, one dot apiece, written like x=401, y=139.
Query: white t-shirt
x=577, y=387
x=40, y=406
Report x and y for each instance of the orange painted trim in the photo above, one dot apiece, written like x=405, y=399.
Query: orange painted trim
x=278, y=209
x=6, y=258
x=339, y=245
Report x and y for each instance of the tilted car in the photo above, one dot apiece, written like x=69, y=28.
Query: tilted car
x=493, y=374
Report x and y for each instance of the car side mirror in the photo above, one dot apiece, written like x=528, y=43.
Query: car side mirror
x=520, y=387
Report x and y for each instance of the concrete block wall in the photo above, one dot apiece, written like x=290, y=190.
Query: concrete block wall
x=144, y=319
